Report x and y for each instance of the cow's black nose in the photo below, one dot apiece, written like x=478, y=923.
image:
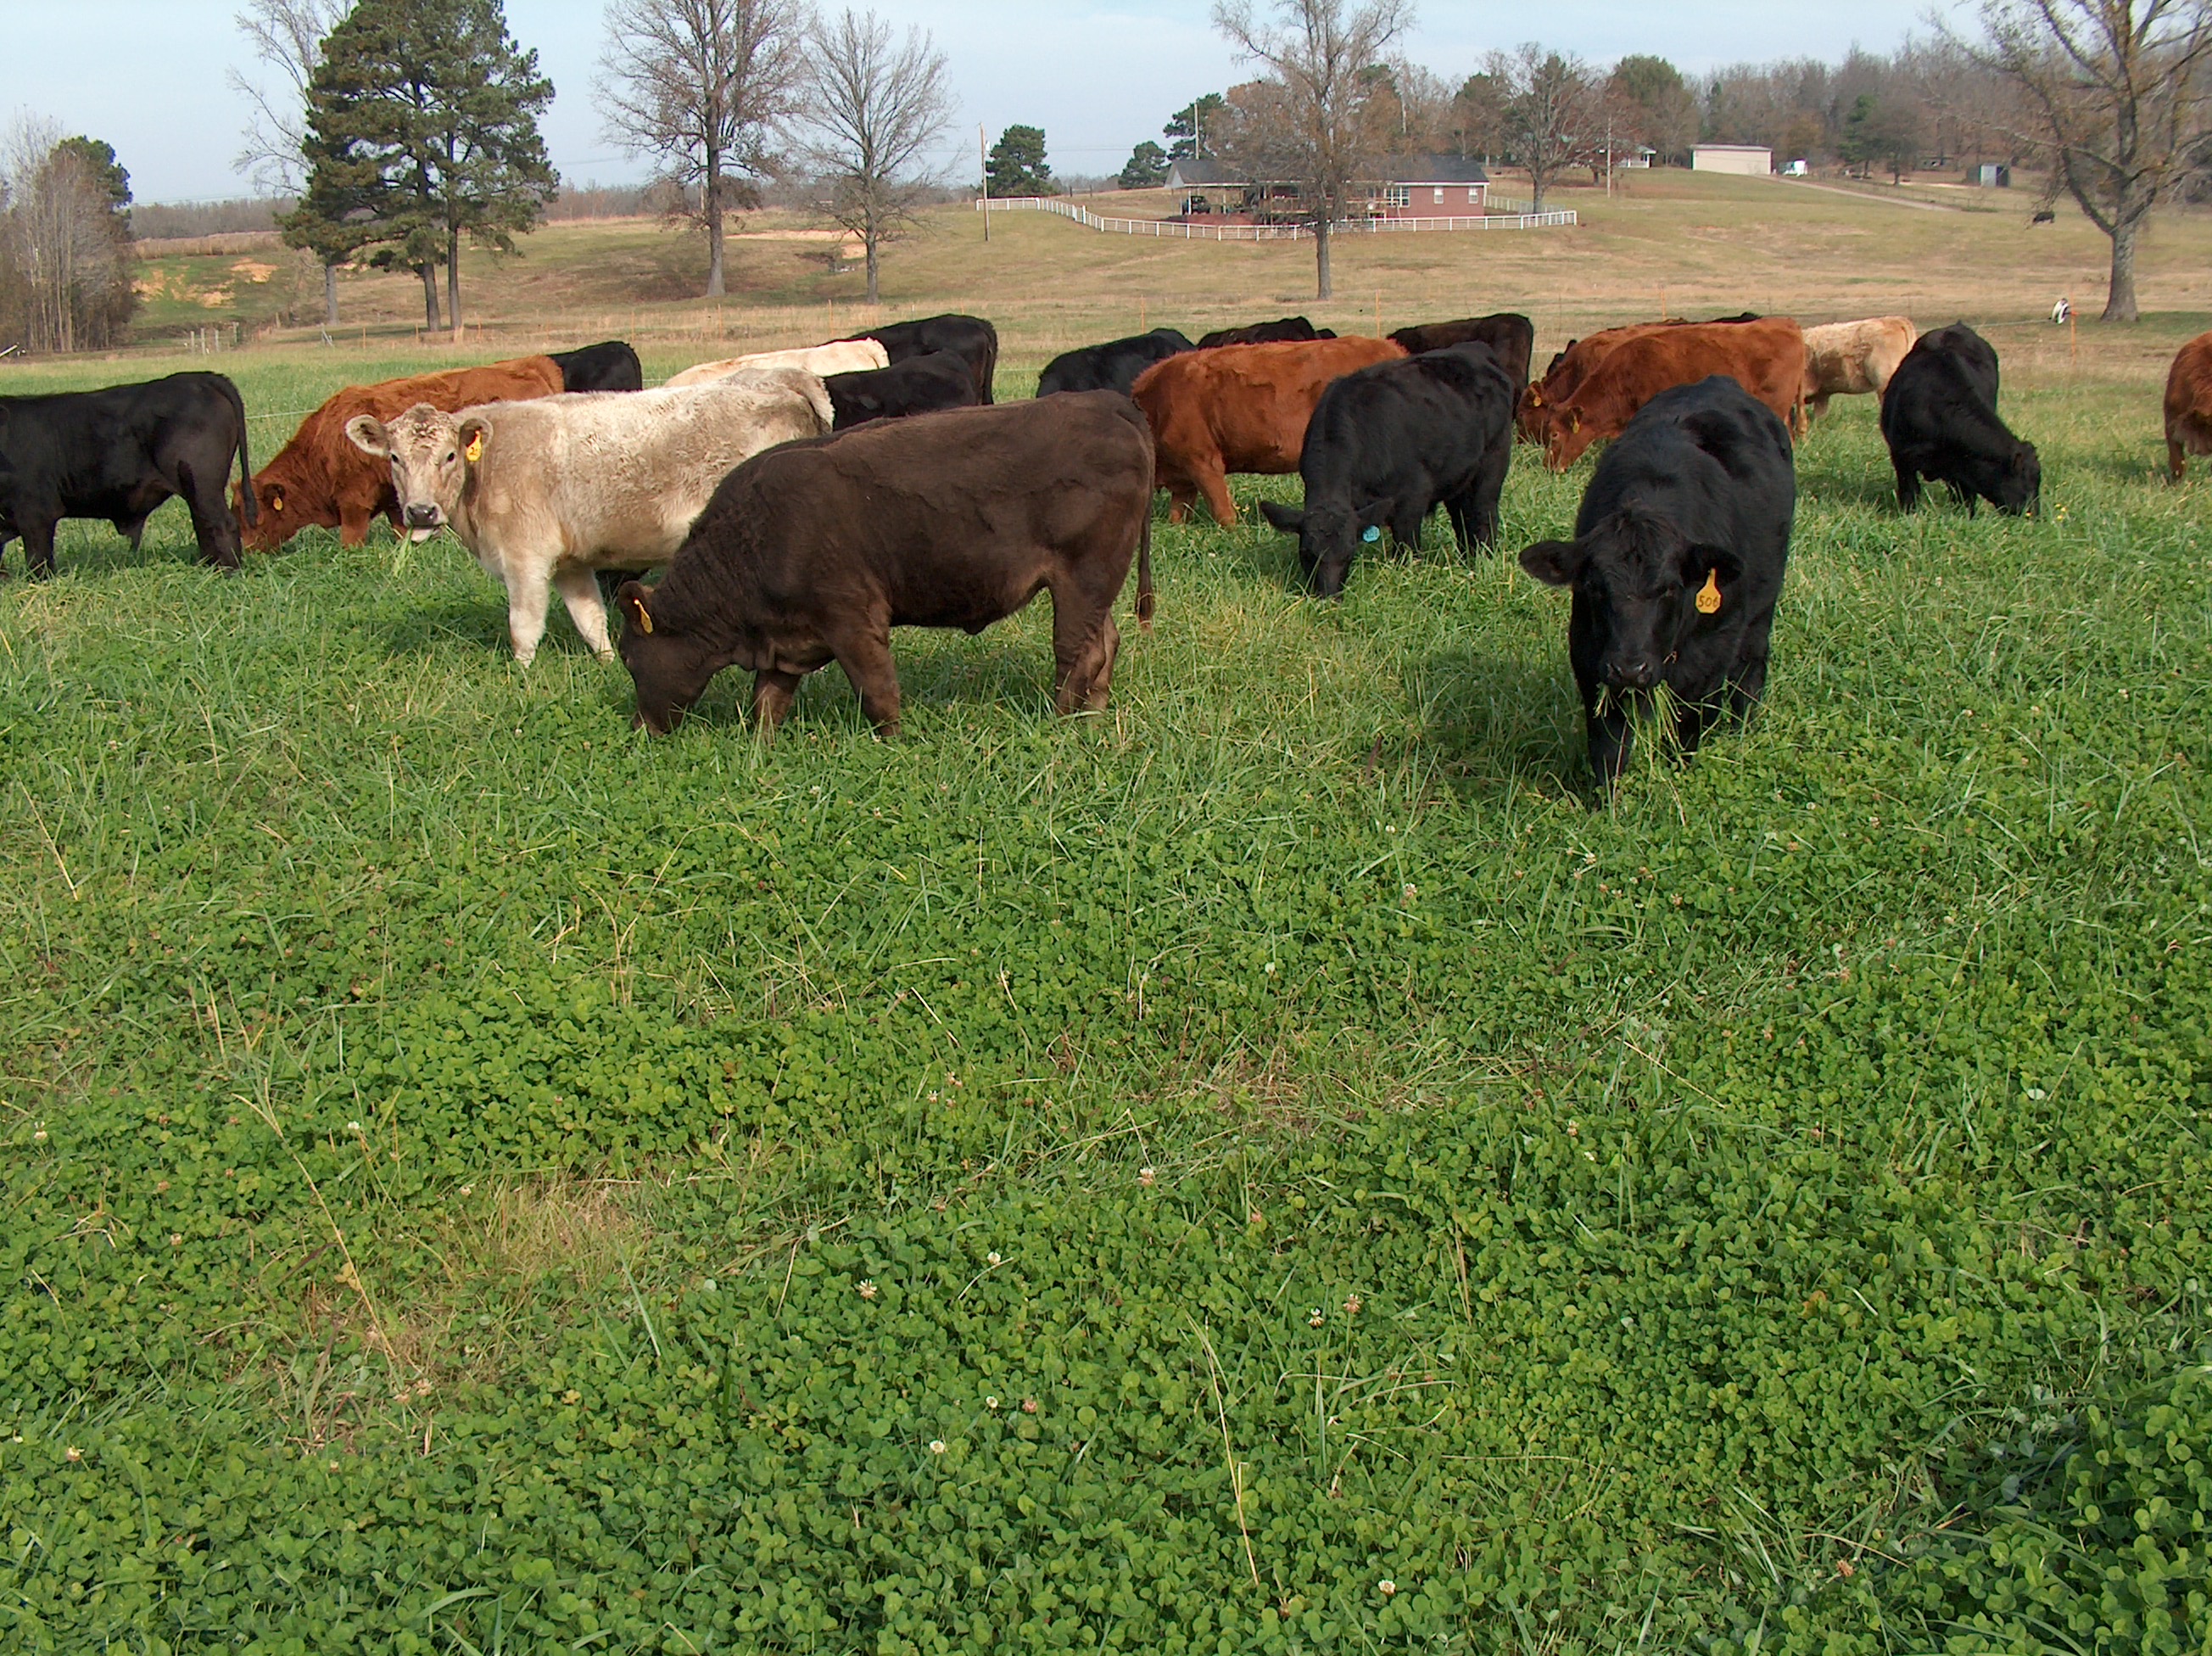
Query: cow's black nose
x=422, y=516
x=1639, y=673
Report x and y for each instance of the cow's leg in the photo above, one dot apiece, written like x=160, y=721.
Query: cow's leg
x=353, y=525
x=1215, y=486
x=1747, y=686
x=867, y=658
x=39, y=547
x=1086, y=644
x=527, y=594
x=133, y=531
x=213, y=526
x=773, y=694
x=1406, y=518
x=1610, y=735
x=1908, y=488
x=579, y=590
x=2177, y=460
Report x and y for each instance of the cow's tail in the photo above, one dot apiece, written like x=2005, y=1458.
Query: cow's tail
x=250, y=508
x=1145, y=568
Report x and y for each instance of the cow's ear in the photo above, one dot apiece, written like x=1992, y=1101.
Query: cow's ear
x=367, y=433
x=475, y=430
x=1289, y=518
x=1555, y=563
x=1373, y=516
x=630, y=599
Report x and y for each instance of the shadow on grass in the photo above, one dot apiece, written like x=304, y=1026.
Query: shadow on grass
x=1013, y=678
x=1494, y=724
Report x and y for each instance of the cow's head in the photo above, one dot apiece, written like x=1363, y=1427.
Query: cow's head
x=281, y=511
x=431, y=453
x=1641, y=577
x=1329, y=537
x=670, y=667
x=2021, y=487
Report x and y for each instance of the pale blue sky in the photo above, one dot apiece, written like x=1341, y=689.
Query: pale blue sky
x=147, y=75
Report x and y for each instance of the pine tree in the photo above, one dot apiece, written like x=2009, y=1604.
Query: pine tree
x=423, y=131
x=1017, y=164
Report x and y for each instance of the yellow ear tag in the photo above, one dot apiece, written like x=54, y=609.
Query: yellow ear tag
x=644, y=619
x=474, y=452
x=1709, y=595
x=277, y=502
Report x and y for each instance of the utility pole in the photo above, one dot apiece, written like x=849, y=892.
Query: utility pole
x=983, y=154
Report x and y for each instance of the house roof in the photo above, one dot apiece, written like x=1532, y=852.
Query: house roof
x=1194, y=171
x=1437, y=169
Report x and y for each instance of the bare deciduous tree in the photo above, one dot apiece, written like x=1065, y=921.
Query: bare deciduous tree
x=699, y=85
x=287, y=38
x=2115, y=94
x=64, y=241
x=871, y=109
x=1316, y=53
x=1549, y=105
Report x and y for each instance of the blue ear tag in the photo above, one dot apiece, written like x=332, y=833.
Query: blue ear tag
x=1371, y=536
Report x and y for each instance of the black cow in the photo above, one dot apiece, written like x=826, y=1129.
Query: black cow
x=120, y=452
x=1285, y=331
x=1676, y=563
x=1113, y=366
x=1938, y=416
x=1509, y=335
x=1388, y=444
x=920, y=385
x=812, y=552
x=969, y=337
x=611, y=365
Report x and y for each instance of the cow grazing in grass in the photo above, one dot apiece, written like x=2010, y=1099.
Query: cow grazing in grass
x=1766, y=357
x=813, y=553
x=320, y=480
x=611, y=365
x=1113, y=366
x=544, y=493
x=1240, y=408
x=1938, y=416
x=2189, y=405
x=1676, y=563
x=972, y=339
x=1511, y=336
x=118, y=453
x=1569, y=367
x=920, y=385
x=1853, y=359
x=1388, y=444
x=839, y=356
x=1284, y=330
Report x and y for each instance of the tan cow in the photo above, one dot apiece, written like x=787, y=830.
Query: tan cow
x=840, y=356
x=544, y=493
x=1853, y=359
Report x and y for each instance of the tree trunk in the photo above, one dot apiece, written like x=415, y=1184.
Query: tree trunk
x=875, y=295
x=1326, y=288
x=1535, y=191
x=429, y=275
x=330, y=295
x=2120, y=298
x=453, y=279
x=711, y=202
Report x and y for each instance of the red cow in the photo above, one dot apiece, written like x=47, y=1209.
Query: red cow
x=1240, y=408
x=1766, y=359
x=319, y=480
x=2189, y=404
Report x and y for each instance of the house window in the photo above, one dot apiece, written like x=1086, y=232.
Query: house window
x=1397, y=195
x=1440, y=195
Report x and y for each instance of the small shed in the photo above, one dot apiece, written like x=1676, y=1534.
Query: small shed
x=1431, y=186
x=1993, y=175
x=1749, y=159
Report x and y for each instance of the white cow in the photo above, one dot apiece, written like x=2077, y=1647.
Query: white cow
x=544, y=493
x=840, y=356
x=1850, y=359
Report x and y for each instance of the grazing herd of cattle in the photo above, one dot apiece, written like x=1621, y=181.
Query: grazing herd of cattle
x=801, y=509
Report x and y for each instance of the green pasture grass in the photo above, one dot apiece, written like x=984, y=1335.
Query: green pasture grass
x=479, y=1178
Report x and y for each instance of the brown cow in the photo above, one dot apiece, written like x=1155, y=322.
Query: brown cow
x=2189, y=405
x=1573, y=365
x=1240, y=408
x=1853, y=359
x=1766, y=359
x=319, y=480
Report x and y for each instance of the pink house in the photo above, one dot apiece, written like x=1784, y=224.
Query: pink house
x=1432, y=186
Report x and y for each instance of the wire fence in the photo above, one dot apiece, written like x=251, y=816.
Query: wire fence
x=1168, y=230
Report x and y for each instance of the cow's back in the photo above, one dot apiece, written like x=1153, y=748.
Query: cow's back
x=1249, y=403
x=1855, y=358
x=1766, y=357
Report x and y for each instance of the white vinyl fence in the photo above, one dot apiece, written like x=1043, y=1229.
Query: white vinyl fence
x=1167, y=232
